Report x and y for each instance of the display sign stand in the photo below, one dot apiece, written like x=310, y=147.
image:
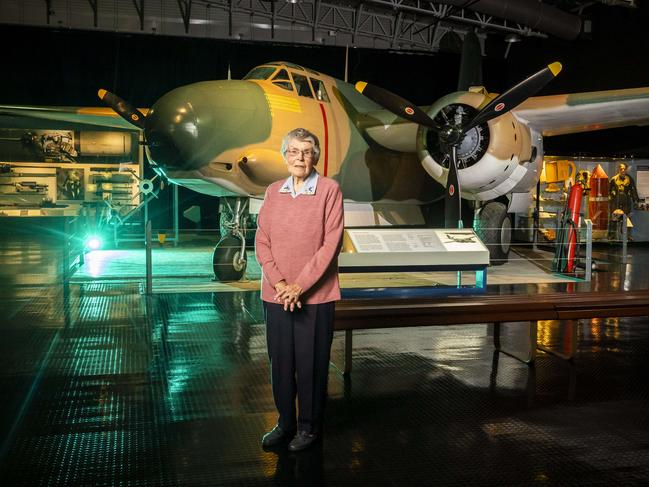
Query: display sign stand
x=414, y=250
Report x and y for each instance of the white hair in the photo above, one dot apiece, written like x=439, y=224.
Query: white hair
x=305, y=136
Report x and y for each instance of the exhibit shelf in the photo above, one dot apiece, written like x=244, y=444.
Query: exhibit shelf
x=39, y=212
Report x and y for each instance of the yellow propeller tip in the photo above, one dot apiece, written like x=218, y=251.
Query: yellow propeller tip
x=555, y=68
x=360, y=86
x=102, y=93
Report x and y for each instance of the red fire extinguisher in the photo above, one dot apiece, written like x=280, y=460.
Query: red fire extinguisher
x=574, y=207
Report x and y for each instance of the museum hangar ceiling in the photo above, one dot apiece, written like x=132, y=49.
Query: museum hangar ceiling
x=402, y=25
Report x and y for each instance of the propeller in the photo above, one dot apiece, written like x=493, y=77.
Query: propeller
x=123, y=108
x=451, y=132
x=397, y=105
x=515, y=95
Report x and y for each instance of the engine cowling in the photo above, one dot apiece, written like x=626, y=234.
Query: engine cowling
x=494, y=158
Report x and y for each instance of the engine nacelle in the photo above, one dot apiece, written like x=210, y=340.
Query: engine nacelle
x=495, y=158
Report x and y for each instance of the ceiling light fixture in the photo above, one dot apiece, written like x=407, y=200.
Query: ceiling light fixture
x=510, y=38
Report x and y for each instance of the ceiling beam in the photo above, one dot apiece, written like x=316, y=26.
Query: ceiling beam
x=93, y=5
x=185, y=7
x=139, y=8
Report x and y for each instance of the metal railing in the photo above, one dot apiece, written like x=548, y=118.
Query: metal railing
x=554, y=260
x=73, y=248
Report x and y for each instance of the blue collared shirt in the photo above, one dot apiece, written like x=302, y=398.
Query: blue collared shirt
x=308, y=187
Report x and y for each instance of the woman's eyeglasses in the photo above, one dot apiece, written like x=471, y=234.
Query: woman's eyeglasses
x=307, y=153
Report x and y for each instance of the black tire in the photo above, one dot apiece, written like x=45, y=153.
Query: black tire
x=494, y=227
x=225, y=258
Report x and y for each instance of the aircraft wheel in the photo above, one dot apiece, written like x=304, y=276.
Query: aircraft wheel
x=494, y=227
x=227, y=261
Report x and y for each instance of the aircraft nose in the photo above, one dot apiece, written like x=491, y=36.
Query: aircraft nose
x=190, y=126
x=172, y=131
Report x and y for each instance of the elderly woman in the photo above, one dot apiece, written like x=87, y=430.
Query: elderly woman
x=299, y=233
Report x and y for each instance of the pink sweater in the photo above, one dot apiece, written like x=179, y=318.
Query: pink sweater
x=298, y=240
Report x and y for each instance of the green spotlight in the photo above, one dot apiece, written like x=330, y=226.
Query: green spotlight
x=93, y=242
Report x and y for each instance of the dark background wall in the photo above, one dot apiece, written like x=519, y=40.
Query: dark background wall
x=66, y=67
x=613, y=56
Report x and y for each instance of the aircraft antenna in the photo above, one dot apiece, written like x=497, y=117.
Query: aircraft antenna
x=346, y=61
x=229, y=72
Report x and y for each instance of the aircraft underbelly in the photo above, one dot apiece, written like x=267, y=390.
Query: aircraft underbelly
x=212, y=185
x=206, y=187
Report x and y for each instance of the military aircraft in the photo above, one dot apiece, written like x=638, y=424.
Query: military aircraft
x=390, y=157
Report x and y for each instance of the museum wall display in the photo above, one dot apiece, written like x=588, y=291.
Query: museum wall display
x=48, y=172
x=601, y=203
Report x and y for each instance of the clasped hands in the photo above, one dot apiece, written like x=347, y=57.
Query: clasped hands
x=288, y=294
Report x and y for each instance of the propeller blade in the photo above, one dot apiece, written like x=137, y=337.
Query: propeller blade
x=470, y=63
x=123, y=108
x=453, y=199
x=397, y=105
x=515, y=95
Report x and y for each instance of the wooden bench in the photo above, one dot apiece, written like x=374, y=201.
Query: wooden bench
x=361, y=314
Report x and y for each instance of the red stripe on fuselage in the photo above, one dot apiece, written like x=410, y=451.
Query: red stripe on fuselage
x=326, y=141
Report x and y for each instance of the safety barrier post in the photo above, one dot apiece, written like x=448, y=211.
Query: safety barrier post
x=149, y=265
x=589, y=249
x=66, y=248
x=175, y=205
x=625, y=236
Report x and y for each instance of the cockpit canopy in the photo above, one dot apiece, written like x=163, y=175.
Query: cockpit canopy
x=291, y=77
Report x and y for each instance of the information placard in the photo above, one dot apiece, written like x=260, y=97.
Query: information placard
x=642, y=183
x=413, y=247
x=394, y=241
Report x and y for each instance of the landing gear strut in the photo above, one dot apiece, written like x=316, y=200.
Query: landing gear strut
x=229, y=258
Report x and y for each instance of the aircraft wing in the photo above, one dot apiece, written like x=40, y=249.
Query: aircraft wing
x=585, y=112
x=389, y=130
x=61, y=117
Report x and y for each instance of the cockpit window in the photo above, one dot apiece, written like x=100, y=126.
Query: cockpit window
x=282, y=80
x=282, y=75
x=294, y=66
x=319, y=89
x=302, y=85
x=260, y=72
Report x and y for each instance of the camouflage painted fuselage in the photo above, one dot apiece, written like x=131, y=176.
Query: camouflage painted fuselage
x=224, y=137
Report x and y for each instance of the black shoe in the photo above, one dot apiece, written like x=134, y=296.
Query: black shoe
x=302, y=440
x=276, y=436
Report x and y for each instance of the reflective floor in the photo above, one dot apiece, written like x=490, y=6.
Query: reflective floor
x=102, y=385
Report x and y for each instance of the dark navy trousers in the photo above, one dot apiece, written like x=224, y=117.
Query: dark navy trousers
x=299, y=346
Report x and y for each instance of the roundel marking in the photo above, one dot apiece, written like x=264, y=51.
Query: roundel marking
x=451, y=189
x=499, y=107
x=409, y=110
x=134, y=117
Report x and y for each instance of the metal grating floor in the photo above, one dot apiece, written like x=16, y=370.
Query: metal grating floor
x=104, y=386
